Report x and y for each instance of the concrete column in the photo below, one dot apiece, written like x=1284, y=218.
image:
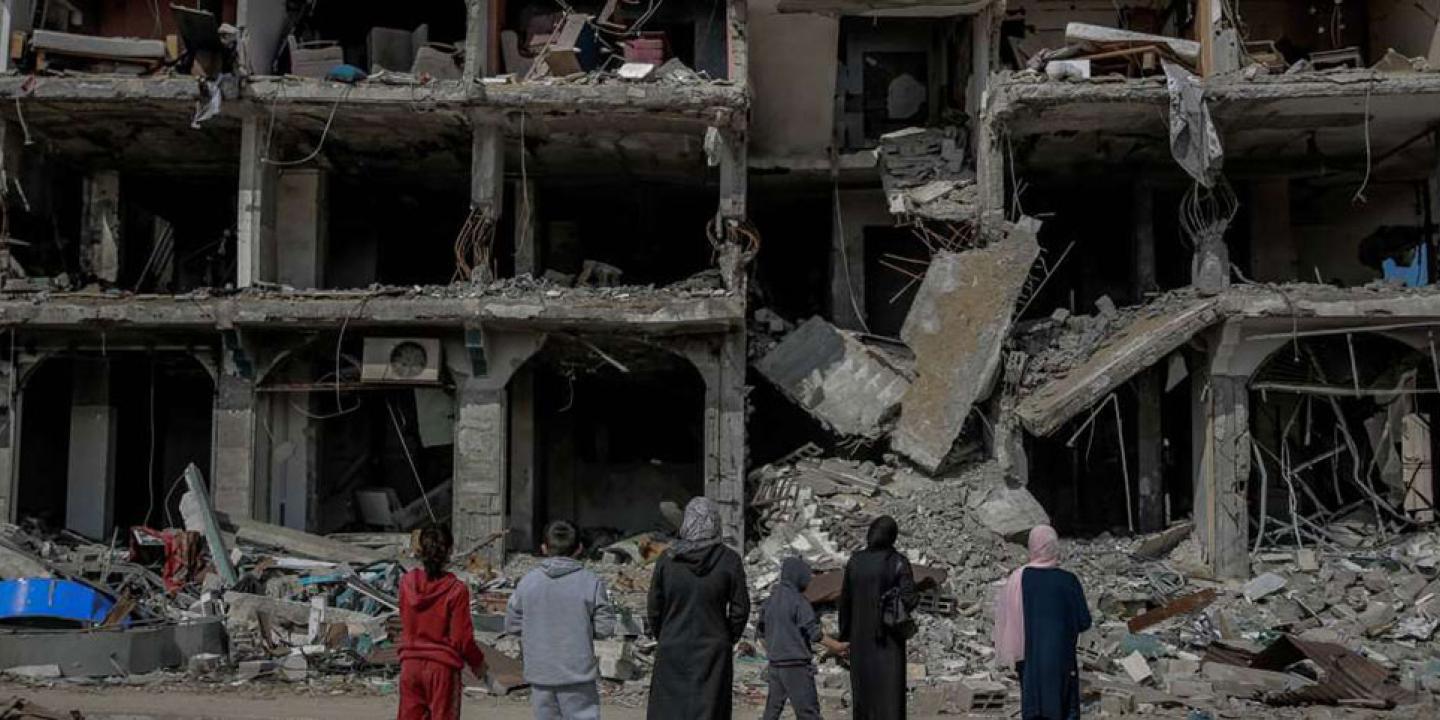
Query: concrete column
x=1150, y=442
x=733, y=174
x=482, y=446
x=478, y=32
x=255, y=224
x=736, y=32
x=487, y=173
x=721, y=363
x=232, y=482
x=1223, y=478
x=523, y=494
x=1142, y=205
x=302, y=238
x=481, y=464
x=1149, y=437
x=9, y=437
x=90, y=493
x=100, y=227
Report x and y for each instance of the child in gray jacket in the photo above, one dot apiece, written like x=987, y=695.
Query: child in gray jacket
x=789, y=629
x=558, y=610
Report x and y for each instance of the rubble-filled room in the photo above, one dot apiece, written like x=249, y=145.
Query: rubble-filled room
x=138, y=231
x=106, y=431
x=593, y=231
x=359, y=201
x=539, y=38
x=1081, y=40
x=130, y=38
x=1340, y=433
x=359, y=431
x=312, y=39
x=604, y=429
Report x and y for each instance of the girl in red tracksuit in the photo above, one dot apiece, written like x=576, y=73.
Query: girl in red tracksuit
x=437, y=638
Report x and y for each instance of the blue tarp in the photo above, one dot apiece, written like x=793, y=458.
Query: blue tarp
x=51, y=602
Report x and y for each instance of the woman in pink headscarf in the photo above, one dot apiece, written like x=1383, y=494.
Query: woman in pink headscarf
x=1039, y=614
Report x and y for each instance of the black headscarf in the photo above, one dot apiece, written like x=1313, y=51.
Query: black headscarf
x=882, y=534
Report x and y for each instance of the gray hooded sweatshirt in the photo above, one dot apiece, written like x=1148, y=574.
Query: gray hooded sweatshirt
x=558, y=610
x=788, y=624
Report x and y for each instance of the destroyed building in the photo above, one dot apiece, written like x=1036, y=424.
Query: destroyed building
x=1159, y=273
x=498, y=262
x=364, y=263
x=1230, y=214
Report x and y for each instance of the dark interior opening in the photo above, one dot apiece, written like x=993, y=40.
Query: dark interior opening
x=350, y=24
x=692, y=32
x=1081, y=483
x=652, y=231
x=790, y=278
x=895, y=263
x=368, y=444
x=896, y=73
x=177, y=234
x=612, y=445
x=161, y=404
x=389, y=231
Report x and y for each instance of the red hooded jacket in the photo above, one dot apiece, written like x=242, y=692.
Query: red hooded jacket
x=435, y=621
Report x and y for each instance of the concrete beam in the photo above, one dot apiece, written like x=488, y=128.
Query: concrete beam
x=647, y=312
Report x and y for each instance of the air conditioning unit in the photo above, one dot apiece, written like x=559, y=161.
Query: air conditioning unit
x=401, y=360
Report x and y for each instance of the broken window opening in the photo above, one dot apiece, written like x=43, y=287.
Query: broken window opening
x=540, y=39
x=131, y=38
x=608, y=445
x=177, y=234
x=1078, y=475
x=94, y=427
x=313, y=38
x=352, y=434
x=898, y=73
x=640, y=232
x=1342, y=425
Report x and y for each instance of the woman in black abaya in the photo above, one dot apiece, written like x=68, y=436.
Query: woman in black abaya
x=877, y=654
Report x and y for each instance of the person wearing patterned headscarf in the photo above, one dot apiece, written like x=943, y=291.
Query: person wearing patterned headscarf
x=698, y=607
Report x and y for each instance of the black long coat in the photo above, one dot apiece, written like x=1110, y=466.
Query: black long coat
x=1055, y=615
x=877, y=656
x=699, y=604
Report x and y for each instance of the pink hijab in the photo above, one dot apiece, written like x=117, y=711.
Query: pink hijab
x=1009, y=634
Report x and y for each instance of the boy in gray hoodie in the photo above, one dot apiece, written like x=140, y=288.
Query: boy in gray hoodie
x=789, y=629
x=558, y=610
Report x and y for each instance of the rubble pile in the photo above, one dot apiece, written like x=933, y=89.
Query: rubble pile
x=1165, y=636
x=924, y=174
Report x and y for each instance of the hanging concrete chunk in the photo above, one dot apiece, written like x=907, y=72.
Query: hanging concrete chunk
x=849, y=386
x=956, y=328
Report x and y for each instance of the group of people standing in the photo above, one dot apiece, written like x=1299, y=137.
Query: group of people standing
x=698, y=608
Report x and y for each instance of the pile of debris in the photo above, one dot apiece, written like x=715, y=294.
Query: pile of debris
x=1352, y=626
x=923, y=174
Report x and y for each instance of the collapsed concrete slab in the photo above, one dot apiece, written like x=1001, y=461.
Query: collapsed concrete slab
x=849, y=386
x=956, y=328
x=1145, y=341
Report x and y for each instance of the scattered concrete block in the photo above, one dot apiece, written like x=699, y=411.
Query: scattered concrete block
x=1008, y=511
x=1136, y=667
x=847, y=385
x=255, y=669
x=957, y=327
x=1306, y=560
x=34, y=672
x=1190, y=689
x=1263, y=585
x=1114, y=701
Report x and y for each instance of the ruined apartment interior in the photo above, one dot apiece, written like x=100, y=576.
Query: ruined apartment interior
x=502, y=262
